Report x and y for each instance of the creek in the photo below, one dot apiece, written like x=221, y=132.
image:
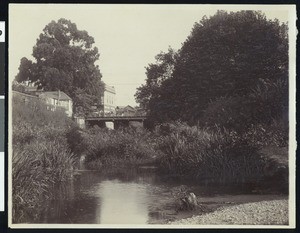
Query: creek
x=134, y=196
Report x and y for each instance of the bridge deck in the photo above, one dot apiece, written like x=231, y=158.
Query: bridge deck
x=117, y=118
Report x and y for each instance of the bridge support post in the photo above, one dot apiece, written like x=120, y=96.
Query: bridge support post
x=110, y=124
x=80, y=121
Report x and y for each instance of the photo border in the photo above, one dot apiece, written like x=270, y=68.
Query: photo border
x=292, y=153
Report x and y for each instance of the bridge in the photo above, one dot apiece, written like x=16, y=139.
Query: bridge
x=115, y=121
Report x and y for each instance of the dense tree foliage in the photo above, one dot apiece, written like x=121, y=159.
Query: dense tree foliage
x=157, y=73
x=65, y=60
x=232, y=70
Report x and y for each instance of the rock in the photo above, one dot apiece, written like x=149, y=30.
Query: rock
x=192, y=201
x=188, y=202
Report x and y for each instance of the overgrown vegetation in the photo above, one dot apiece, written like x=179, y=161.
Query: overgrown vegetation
x=214, y=154
x=223, y=156
x=229, y=82
x=41, y=156
x=117, y=148
x=230, y=79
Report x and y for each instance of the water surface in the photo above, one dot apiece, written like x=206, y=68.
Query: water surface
x=132, y=197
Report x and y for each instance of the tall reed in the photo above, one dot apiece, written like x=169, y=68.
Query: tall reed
x=40, y=157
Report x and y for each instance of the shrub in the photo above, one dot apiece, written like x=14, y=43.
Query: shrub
x=265, y=103
x=118, y=148
x=219, y=155
x=262, y=135
x=75, y=140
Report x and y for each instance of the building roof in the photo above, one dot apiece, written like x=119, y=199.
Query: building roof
x=55, y=95
x=109, y=88
x=125, y=107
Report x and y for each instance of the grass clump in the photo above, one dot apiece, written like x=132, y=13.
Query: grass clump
x=123, y=147
x=41, y=156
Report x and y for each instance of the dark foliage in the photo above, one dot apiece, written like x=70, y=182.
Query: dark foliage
x=65, y=60
x=231, y=71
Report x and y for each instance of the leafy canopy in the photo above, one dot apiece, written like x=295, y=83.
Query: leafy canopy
x=230, y=63
x=65, y=60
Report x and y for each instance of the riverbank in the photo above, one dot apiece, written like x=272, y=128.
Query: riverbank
x=273, y=212
x=41, y=155
x=204, y=154
x=48, y=147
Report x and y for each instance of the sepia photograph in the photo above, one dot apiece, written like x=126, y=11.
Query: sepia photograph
x=151, y=116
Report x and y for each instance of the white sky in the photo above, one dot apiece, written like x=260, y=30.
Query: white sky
x=128, y=36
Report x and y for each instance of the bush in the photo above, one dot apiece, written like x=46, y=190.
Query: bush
x=264, y=135
x=218, y=155
x=118, y=148
x=261, y=107
x=75, y=140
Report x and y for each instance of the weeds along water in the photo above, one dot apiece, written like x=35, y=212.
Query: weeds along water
x=220, y=155
x=216, y=154
x=41, y=156
x=47, y=146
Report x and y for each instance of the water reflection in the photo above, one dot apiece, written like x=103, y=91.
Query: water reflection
x=120, y=197
x=71, y=204
x=112, y=197
x=122, y=203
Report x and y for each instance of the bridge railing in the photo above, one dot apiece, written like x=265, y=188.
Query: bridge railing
x=99, y=114
x=115, y=117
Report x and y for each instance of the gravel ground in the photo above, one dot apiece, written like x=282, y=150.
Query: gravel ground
x=258, y=213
